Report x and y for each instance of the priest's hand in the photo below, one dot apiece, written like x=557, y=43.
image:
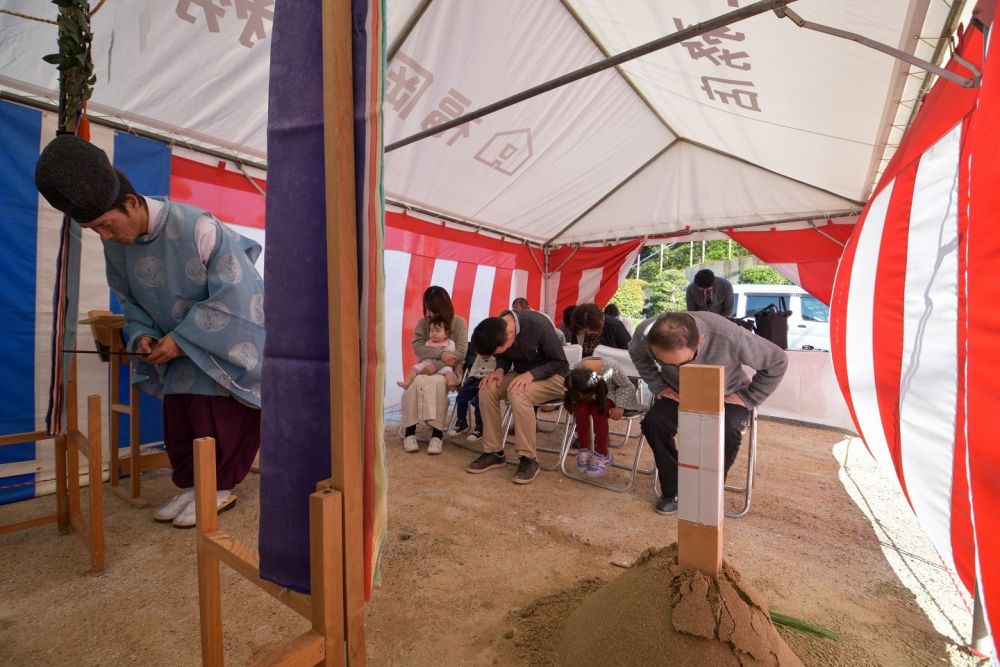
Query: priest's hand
x=166, y=350
x=144, y=345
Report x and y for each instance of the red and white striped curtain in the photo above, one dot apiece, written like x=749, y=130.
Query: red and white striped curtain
x=915, y=330
x=483, y=274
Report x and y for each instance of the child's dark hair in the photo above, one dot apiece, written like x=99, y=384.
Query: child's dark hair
x=583, y=384
x=437, y=321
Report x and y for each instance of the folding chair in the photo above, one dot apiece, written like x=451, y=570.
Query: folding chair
x=573, y=353
x=747, y=490
x=632, y=417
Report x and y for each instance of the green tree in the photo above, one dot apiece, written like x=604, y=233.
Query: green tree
x=680, y=256
x=630, y=297
x=667, y=292
x=762, y=275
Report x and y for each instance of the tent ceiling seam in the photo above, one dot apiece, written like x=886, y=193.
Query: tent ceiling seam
x=771, y=171
x=621, y=72
x=653, y=238
x=741, y=14
x=613, y=190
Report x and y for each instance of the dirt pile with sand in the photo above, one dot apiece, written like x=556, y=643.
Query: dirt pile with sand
x=658, y=612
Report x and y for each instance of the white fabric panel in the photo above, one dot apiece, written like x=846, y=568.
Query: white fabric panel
x=397, y=268
x=482, y=295
x=811, y=125
x=519, y=287
x=155, y=68
x=808, y=392
x=859, y=345
x=397, y=14
x=590, y=282
x=789, y=271
x=530, y=168
x=930, y=330
x=551, y=290
x=444, y=274
x=689, y=186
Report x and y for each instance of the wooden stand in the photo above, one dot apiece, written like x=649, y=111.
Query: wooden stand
x=69, y=446
x=701, y=418
x=325, y=642
x=35, y=436
x=337, y=605
x=107, y=329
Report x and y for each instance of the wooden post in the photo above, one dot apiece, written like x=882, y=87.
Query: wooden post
x=326, y=565
x=62, y=481
x=343, y=308
x=135, y=458
x=114, y=392
x=95, y=472
x=209, y=578
x=700, y=423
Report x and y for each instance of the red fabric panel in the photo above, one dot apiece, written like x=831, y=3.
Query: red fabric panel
x=461, y=290
x=815, y=253
x=984, y=332
x=419, y=237
x=417, y=281
x=838, y=318
x=570, y=263
x=227, y=194
x=500, y=300
x=887, y=322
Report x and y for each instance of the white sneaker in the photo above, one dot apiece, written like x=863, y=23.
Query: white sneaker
x=434, y=446
x=474, y=436
x=187, y=518
x=166, y=512
x=410, y=444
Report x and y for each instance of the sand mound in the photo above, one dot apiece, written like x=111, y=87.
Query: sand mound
x=657, y=613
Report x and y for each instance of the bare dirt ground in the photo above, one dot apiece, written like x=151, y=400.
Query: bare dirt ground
x=479, y=571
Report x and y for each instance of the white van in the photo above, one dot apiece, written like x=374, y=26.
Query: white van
x=809, y=323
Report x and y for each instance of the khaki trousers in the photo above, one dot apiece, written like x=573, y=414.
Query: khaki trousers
x=523, y=407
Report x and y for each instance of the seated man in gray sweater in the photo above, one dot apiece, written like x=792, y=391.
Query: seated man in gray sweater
x=661, y=345
x=526, y=342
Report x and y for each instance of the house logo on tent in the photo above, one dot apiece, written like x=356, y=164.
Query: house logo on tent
x=506, y=151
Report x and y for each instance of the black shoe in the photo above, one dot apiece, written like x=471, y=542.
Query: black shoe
x=486, y=462
x=527, y=470
x=460, y=428
x=666, y=505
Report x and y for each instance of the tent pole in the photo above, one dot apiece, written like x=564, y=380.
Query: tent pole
x=681, y=35
x=963, y=81
x=545, y=282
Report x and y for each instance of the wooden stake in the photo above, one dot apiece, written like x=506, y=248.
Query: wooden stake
x=62, y=481
x=326, y=565
x=95, y=472
x=343, y=308
x=209, y=578
x=701, y=417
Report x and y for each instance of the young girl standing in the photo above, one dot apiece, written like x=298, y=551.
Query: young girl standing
x=596, y=390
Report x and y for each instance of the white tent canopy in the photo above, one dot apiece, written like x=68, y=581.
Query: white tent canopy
x=760, y=123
